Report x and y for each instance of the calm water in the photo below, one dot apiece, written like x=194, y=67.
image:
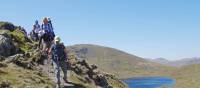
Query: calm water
x=150, y=82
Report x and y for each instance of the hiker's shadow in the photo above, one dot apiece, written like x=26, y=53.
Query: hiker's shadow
x=73, y=85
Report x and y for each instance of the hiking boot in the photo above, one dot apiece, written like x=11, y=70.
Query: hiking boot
x=57, y=86
x=65, y=80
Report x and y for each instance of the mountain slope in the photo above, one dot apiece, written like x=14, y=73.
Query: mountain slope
x=187, y=76
x=177, y=63
x=120, y=63
x=18, y=67
x=22, y=65
x=186, y=61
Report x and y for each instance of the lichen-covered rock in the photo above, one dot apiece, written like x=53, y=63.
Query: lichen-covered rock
x=7, y=48
x=5, y=84
x=13, y=58
x=91, y=73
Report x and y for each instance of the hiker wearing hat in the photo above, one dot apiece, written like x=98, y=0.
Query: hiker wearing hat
x=59, y=59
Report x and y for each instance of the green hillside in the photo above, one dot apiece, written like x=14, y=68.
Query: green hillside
x=187, y=76
x=120, y=63
x=125, y=65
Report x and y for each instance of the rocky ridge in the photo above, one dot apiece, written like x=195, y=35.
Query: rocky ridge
x=22, y=65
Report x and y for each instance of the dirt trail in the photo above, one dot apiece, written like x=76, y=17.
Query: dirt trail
x=48, y=69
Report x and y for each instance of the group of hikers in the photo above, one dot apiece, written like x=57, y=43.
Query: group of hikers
x=43, y=33
x=51, y=45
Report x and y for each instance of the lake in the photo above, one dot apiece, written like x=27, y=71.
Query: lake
x=150, y=82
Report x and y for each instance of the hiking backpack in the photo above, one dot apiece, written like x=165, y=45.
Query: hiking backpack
x=58, y=51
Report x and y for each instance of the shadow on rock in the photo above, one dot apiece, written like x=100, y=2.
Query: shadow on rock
x=74, y=85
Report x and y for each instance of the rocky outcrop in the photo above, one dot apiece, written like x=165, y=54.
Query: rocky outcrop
x=5, y=84
x=91, y=74
x=7, y=48
x=7, y=26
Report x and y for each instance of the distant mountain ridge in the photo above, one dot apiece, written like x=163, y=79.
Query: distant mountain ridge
x=161, y=61
x=177, y=63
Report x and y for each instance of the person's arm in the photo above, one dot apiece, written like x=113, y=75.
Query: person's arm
x=49, y=52
x=66, y=51
x=33, y=27
x=42, y=26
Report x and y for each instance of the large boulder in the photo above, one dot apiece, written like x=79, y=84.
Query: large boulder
x=7, y=48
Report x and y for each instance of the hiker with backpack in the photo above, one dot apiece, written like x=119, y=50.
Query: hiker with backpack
x=47, y=25
x=46, y=37
x=45, y=42
x=59, y=59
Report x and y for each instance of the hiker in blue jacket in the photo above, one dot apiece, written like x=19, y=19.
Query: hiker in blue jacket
x=59, y=59
x=47, y=25
x=46, y=39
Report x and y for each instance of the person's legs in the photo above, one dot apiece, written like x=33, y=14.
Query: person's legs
x=48, y=45
x=64, y=69
x=44, y=45
x=56, y=66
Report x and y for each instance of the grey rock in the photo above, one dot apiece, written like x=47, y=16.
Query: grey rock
x=5, y=84
x=13, y=58
x=7, y=48
x=2, y=58
x=3, y=65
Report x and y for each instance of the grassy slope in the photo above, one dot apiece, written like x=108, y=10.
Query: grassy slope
x=126, y=65
x=20, y=78
x=122, y=64
x=187, y=76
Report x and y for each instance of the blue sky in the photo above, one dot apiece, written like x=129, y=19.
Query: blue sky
x=146, y=28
